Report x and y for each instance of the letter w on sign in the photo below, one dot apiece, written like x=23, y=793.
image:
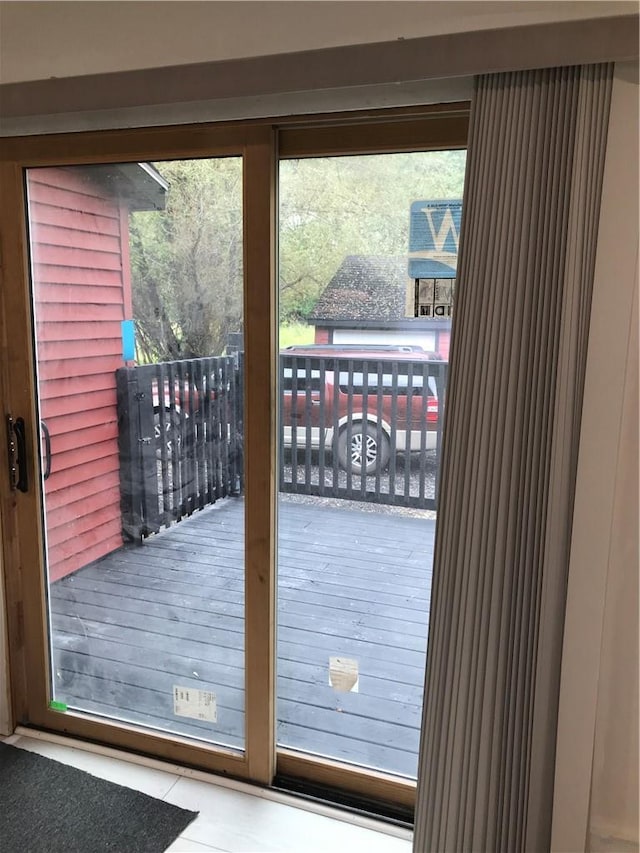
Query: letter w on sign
x=434, y=235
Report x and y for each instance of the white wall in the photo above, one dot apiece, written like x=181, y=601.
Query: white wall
x=39, y=40
x=613, y=813
x=596, y=787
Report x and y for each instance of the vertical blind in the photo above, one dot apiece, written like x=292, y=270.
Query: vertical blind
x=527, y=254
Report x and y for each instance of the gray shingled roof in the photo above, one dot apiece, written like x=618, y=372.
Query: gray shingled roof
x=365, y=287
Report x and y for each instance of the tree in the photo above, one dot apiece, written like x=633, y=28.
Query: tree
x=331, y=207
x=186, y=262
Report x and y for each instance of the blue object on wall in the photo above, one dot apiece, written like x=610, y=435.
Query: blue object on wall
x=128, y=340
x=434, y=233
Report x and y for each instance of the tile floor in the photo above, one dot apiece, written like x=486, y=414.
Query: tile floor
x=233, y=817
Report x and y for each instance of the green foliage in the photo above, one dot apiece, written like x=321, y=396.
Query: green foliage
x=331, y=207
x=295, y=334
x=187, y=260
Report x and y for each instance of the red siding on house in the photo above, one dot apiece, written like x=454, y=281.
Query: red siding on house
x=322, y=335
x=82, y=291
x=126, y=262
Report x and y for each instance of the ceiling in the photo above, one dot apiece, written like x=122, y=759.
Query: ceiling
x=40, y=40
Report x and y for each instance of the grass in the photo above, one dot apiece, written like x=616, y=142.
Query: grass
x=295, y=334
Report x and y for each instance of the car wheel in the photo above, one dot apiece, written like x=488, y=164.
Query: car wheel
x=364, y=451
x=171, y=431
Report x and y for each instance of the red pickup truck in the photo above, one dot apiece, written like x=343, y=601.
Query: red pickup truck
x=360, y=402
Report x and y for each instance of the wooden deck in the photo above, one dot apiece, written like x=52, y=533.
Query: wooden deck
x=352, y=584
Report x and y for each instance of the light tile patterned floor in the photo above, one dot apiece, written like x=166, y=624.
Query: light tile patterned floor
x=232, y=817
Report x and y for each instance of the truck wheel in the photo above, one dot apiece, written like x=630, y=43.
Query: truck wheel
x=364, y=452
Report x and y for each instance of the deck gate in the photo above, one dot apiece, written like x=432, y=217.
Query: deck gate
x=180, y=439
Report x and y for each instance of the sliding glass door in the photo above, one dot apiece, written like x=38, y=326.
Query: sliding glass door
x=136, y=279
x=134, y=470
x=368, y=251
x=156, y=421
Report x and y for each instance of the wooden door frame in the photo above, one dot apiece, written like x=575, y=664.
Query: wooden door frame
x=386, y=131
x=24, y=537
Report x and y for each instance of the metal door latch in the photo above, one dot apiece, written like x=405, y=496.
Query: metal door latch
x=17, y=451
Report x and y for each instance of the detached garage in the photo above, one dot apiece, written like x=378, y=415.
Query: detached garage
x=369, y=301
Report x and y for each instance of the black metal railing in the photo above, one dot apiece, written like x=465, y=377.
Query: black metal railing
x=362, y=429
x=350, y=428
x=180, y=436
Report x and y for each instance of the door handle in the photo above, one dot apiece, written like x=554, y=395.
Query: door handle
x=47, y=450
x=17, y=448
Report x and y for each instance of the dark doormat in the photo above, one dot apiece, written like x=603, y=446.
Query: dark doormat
x=48, y=806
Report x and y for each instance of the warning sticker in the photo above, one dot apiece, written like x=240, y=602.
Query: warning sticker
x=343, y=675
x=197, y=704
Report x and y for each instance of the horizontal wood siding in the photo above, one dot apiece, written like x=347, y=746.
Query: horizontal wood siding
x=81, y=292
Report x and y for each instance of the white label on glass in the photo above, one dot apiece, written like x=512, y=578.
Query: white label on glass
x=197, y=704
x=343, y=675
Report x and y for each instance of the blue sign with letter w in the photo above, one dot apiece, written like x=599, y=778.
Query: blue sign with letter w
x=434, y=234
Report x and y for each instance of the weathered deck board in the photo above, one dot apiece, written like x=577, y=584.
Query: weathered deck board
x=351, y=584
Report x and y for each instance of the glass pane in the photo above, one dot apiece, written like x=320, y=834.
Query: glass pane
x=137, y=295
x=368, y=253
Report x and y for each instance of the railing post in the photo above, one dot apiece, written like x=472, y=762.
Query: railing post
x=441, y=385
x=283, y=361
x=239, y=421
x=150, y=505
x=129, y=454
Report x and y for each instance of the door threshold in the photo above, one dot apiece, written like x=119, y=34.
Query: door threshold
x=300, y=801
